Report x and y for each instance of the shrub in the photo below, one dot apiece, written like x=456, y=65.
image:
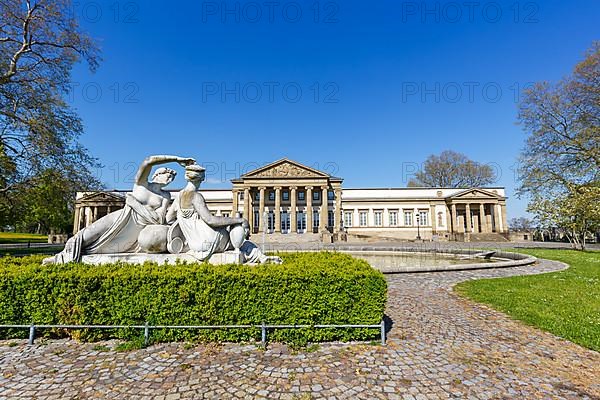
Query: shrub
x=308, y=288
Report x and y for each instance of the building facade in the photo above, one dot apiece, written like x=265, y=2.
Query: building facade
x=286, y=197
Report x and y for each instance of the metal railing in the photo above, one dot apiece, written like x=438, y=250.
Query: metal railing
x=147, y=328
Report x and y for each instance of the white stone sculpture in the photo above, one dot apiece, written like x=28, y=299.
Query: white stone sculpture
x=206, y=234
x=149, y=226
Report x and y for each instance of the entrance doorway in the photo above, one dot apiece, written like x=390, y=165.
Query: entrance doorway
x=316, y=221
x=256, y=221
x=285, y=222
x=301, y=222
x=271, y=222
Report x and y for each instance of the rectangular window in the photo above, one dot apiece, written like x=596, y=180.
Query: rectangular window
x=257, y=196
x=348, y=219
x=408, y=218
x=378, y=218
x=330, y=218
x=393, y=218
x=286, y=195
x=330, y=195
x=316, y=220
x=301, y=196
x=362, y=218
x=241, y=195
x=271, y=195
x=316, y=195
x=423, y=220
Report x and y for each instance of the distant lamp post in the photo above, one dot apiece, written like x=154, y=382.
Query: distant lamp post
x=418, y=227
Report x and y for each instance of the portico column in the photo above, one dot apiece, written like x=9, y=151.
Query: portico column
x=454, y=219
x=235, y=202
x=324, y=209
x=482, y=218
x=503, y=217
x=468, y=217
x=433, y=219
x=293, y=221
x=338, y=211
x=76, y=223
x=460, y=224
x=248, y=207
x=277, y=209
x=87, y=212
x=95, y=215
x=261, y=210
x=497, y=218
x=309, y=216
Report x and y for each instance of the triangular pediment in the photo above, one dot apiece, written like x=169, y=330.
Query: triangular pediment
x=475, y=193
x=285, y=168
x=101, y=197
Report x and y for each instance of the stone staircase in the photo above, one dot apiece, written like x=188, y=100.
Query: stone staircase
x=358, y=238
x=286, y=238
x=488, y=237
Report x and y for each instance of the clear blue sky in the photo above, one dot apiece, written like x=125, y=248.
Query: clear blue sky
x=382, y=84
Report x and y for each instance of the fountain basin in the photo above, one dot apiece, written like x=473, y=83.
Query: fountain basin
x=433, y=260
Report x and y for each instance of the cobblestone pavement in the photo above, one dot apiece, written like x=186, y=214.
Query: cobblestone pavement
x=440, y=346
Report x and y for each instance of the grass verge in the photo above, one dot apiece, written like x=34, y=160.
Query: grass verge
x=565, y=303
x=15, y=237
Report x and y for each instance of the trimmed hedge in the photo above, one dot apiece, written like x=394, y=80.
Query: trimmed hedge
x=308, y=288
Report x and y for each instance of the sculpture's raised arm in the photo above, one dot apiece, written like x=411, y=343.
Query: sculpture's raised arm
x=141, y=178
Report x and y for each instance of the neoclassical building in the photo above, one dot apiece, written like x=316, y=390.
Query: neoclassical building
x=288, y=198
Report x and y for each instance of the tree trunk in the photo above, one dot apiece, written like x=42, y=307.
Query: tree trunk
x=571, y=239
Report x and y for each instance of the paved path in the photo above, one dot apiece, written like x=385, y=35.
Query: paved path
x=440, y=346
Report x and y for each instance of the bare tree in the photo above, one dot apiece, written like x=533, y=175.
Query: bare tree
x=560, y=164
x=452, y=169
x=40, y=41
x=520, y=224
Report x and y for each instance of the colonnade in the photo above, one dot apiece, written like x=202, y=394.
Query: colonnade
x=477, y=218
x=293, y=204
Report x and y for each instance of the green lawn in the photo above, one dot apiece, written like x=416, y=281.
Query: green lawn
x=12, y=237
x=565, y=303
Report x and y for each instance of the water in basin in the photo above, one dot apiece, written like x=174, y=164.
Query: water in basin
x=388, y=260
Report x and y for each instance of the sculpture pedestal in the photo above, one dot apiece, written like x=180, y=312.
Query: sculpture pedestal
x=229, y=257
